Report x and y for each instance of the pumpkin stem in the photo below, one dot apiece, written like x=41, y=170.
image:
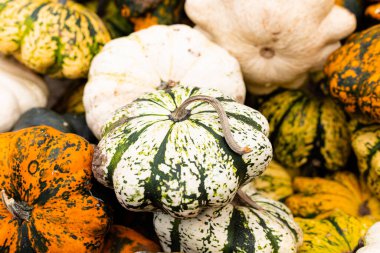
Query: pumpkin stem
x=181, y=113
x=244, y=197
x=19, y=211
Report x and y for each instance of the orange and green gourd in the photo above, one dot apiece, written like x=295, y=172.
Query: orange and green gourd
x=56, y=38
x=45, y=182
x=316, y=196
x=121, y=239
x=334, y=232
x=354, y=75
x=308, y=132
x=144, y=13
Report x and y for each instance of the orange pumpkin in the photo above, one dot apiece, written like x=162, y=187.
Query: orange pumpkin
x=121, y=239
x=45, y=191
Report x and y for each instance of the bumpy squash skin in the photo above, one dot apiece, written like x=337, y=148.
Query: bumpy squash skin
x=336, y=232
x=316, y=196
x=121, y=239
x=142, y=14
x=308, y=133
x=366, y=146
x=354, y=75
x=50, y=171
x=51, y=38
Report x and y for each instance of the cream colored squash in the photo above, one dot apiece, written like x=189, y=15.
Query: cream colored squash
x=276, y=42
x=371, y=240
x=20, y=90
x=156, y=58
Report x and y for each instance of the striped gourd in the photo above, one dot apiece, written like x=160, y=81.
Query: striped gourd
x=307, y=132
x=268, y=227
x=51, y=37
x=157, y=154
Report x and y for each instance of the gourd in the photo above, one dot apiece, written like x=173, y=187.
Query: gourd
x=181, y=150
x=308, y=131
x=366, y=146
x=353, y=74
x=47, y=206
x=159, y=57
x=143, y=14
x=275, y=183
x=67, y=123
x=315, y=196
x=268, y=226
x=274, y=49
x=333, y=232
x=371, y=240
x=56, y=38
x=20, y=90
x=121, y=239
x=373, y=11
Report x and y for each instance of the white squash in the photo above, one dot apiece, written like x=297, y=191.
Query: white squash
x=20, y=90
x=276, y=42
x=156, y=58
x=371, y=240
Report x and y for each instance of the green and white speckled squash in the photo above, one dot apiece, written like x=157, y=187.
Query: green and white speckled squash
x=268, y=227
x=308, y=132
x=155, y=153
x=51, y=37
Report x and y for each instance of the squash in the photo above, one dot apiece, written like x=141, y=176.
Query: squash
x=51, y=37
x=47, y=206
x=67, y=123
x=20, y=90
x=315, y=196
x=121, y=239
x=373, y=11
x=371, y=240
x=275, y=183
x=308, y=132
x=333, y=232
x=354, y=76
x=274, y=49
x=266, y=227
x=143, y=14
x=156, y=58
x=366, y=146
x=172, y=150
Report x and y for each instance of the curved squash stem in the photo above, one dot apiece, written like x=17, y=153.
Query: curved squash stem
x=19, y=211
x=244, y=197
x=181, y=113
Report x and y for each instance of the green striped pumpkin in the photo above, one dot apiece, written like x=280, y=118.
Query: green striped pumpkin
x=179, y=165
x=50, y=37
x=269, y=227
x=308, y=132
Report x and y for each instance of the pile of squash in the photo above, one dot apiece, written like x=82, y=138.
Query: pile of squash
x=190, y=126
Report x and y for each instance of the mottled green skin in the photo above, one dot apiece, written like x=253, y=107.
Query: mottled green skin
x=307, y=132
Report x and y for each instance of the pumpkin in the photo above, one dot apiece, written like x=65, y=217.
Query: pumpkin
x=353, y=74
x=366, y=146
x=315, y=196
x=67, y=123
x=51, y=37
x=268, y=226
x=334, y=232
x=156, y=58
x=275, y=183
x=121, y=239
x=172, y=150
x=371, y=240
x=308, y=132
x=47, y=206
x=274, y=49
x=20, y=90
x=143, y=14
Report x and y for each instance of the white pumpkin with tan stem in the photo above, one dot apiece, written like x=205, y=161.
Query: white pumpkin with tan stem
x=156, y=58
x=276, y=41
x=371, y=240
x=20, y=90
